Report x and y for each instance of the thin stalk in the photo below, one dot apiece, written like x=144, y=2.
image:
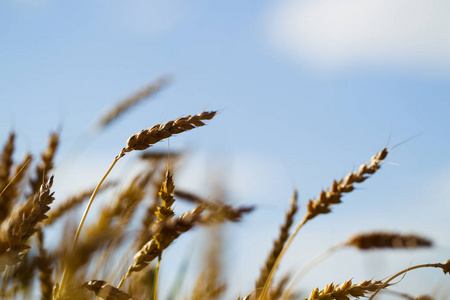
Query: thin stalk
x=265, y=290
x=306, y=268
x=386, y=283
x=155, y=287
x=77, y=234
x=9, y=183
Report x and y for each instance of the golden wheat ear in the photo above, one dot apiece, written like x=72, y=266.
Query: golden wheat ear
x=23, y=224
x=327, y=198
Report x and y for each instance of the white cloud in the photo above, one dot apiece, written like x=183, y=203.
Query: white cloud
x=334, y=33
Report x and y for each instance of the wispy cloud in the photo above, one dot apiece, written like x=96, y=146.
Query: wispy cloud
x=336, y=33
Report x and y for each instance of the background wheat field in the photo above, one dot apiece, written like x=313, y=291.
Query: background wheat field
x=305, y=93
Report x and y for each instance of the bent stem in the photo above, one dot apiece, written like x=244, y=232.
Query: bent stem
x=265, y=290
x=77, y=234
x=309, y=265
x=386, y=283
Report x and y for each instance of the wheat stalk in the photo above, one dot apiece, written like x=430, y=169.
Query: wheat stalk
x=445, y=268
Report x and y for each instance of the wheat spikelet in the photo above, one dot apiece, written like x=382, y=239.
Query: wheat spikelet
x=345, y=185
x=127, y=103
x=278, y=244
x=13, y=241
x=167, y=231
x=387, y=240
x=148, y=137
x=46, y=162
x=339, y=292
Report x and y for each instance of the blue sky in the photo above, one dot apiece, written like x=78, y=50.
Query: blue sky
x=307, y=91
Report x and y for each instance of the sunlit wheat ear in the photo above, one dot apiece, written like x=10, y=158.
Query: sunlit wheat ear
x=22, y=225
x=134, y=99
x=141, y=141
x=346, y=290
x=333, y=195
x=166, y=232
x=277, y=245
x=146, y=138
x=328, y=198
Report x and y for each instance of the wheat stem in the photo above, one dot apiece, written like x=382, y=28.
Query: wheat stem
x=155, y=289
x=80, y=226
x=445, y=267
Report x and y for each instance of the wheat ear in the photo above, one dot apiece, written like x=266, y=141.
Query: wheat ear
x=278, y=244
x=5, y=169
x=167, y=232
x=22, y=225
x=141, y=141
x=326, y=199
x=338, y=292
